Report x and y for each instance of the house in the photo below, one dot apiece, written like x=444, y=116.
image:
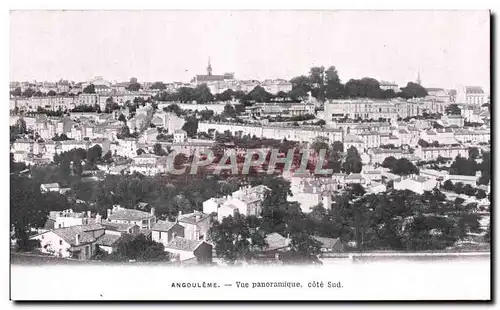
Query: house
x=464, y=179
x=186, y=249
x=416, y=184
x=67, y=218
x=329, y=245
x=110, y=240
x=78, y=242
x=164, y=231
x=247, y=200
x=142, y=219
x=276, y=242
x=122, y=228
x=354, y=141
x=196, y=225
x=354, y=178
x=180, y=136
x=53, y=187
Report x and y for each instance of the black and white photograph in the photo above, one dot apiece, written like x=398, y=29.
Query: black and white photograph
x=250, y=155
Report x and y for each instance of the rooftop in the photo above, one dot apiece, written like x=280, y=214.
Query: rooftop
x=183, y=244
x=128, y=214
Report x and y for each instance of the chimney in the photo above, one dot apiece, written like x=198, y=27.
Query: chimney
x=197, y=217
x=77, y=239
x=109, y=213
x=153, y=211
x=89, y=214
x=98, y=218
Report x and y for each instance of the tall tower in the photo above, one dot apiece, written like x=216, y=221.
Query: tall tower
x=209, y=67
x=419, y=81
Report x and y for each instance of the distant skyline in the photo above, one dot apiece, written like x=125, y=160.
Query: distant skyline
x=448, y=48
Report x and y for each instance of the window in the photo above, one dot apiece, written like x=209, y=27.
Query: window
x=60, y=242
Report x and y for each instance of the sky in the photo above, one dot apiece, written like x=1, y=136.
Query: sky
x=448, y=48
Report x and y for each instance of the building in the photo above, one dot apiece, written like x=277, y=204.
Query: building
x=433, y=153
x=211, y=78
x=276, y=243
x=453, y=120
x=416, y=184
x=471, y=95
x=165, y=232
x=184, y=250
x=196, y=225
x=384, y=85
x=300, y=134
x=364, y=109
x=142, y=219
x=329, y=245
x=77, y=242
x=246, y=201
x=464, y=179
x=68, y=218
x=180, y=136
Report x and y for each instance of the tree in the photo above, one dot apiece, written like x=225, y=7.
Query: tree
x=202, y=94
x=141, y=151
x=173, y=108
x=27, y=210
x=338, y=146
x=453, y=109
x=480, y=194
x=353, y=163
x=28, y=92
x=459, y=188
x=448, y=185
x=423, y=143
x=140, y=248
x=473, y=153
x=404, y=167
x=190, y=126
x=94, y=155
x=304, y=244
x=229, y=111
x=232, y=239
x=259, y=94
x=463, y=166
x=334, y=89
x=158, y=150
x=133, y=86
x=364, y=88
x=485, y=168
x=225, y=95
x=51, y=93
x=301, y=85
x=108, y=157
x=21, y=126
x=158, y=85
x=89, y=89
x=124, y=132
x=320, y=143
x=17, y=92
x=389, y=162
x=413, y=90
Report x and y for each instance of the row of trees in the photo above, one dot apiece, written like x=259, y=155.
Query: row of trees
x=469, y=166
x=467, y=189
x=325, y=84
x=30, y=92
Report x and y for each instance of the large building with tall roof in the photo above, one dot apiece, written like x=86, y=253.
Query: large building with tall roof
x=210, y=78
x=471, y=95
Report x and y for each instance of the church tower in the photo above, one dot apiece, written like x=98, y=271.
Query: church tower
x=209, y=67
x=419, y=81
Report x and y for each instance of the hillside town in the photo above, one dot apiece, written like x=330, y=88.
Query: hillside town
x=90, y=175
